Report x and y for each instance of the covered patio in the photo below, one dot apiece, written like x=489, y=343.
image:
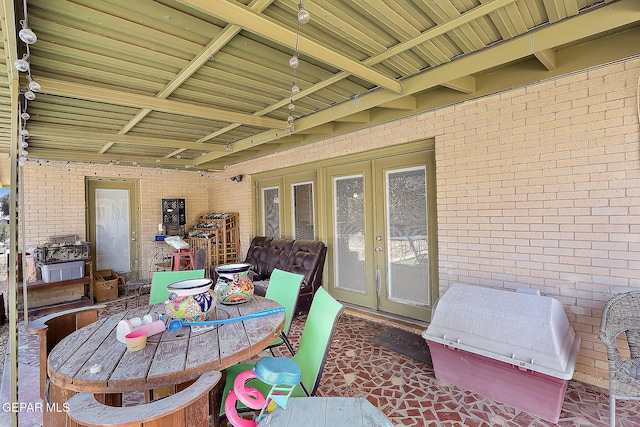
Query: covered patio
x=404, y=389
x=527, y=113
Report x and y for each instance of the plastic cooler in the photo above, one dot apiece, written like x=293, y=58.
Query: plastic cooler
x=514, y=347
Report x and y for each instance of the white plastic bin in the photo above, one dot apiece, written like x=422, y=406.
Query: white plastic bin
x=517, y=348
x=62, y=271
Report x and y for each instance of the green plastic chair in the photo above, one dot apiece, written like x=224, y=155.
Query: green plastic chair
x=312, y=351
x=284, y=288
x=162, y=279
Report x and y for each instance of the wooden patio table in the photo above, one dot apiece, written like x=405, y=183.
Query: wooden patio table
x=169, y=358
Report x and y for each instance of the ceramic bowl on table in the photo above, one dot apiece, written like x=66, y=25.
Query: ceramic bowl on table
x=234, y=285
x=191, y=299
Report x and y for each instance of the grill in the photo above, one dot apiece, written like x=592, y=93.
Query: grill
x=514, y=347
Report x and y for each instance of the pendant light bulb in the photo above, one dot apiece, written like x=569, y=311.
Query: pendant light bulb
x=293, y=62
x=295, y=89
x=25, y=116
x=303, y=14
x=30, y=95
x=34, y=86
x=27, y=36
x=22, y=64
x=25, y=133
x=291, y=106
x=24, y=153
x=22, y=161
x=24, y=144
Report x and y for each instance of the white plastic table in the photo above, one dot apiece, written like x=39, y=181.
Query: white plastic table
x=326, y=411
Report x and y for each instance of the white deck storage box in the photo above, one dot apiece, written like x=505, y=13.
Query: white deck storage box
x=516, y=348
x=62, y=271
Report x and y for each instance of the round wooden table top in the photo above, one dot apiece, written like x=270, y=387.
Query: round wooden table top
x=169, y=358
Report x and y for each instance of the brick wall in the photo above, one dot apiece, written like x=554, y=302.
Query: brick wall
x=54, y=199
x=537, y=187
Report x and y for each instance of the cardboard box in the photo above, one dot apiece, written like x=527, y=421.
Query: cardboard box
x=105, y=285
x=62, y=271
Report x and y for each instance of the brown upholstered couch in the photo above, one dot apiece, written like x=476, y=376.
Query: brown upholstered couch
x=304, y=257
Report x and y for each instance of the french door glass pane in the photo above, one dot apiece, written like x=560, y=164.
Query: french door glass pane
x=407, y=236
x=303, y=211
x=271, y=214
x=349, y=233
x=112, y=230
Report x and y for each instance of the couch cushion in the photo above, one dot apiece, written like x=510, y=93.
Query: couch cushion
x=257, y=256
x=307, y=258
x=278, y=255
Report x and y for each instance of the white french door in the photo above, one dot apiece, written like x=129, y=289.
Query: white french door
x=350, y=217
x=402, y=240
x=376, y=212
x=379, y=215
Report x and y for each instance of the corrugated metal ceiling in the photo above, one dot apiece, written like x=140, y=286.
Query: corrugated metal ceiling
x=205, y=83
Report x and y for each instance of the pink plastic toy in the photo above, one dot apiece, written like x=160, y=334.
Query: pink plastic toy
x=283, y=374
x=250, y=396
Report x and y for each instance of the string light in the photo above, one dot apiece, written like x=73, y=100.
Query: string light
x=25, y=34
x=28, y=37
x=22, y=64
x=303, y=14
x=34, y=86
x=294, y=62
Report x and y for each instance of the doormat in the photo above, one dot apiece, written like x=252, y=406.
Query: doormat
x=406, y=343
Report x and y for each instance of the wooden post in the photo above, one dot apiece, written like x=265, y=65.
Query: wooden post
x=3, y=315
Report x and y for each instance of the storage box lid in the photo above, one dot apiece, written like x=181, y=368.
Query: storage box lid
x=526, y=330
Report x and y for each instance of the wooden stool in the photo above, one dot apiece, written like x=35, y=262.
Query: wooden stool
x=181, y=254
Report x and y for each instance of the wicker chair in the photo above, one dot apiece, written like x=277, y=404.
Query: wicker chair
x=622, y=314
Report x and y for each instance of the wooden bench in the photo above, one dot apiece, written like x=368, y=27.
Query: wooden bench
x=189, y=407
